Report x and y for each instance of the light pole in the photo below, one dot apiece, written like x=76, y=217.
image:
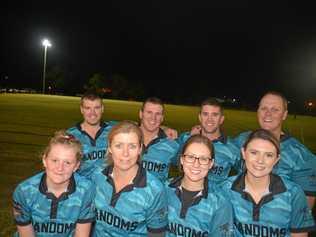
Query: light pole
x=46, y=44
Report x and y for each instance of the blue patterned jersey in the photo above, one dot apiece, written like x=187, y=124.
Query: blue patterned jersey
x=94, y=150
x=282, y=211
x=227, y=156
x=51, y=216
x=137, y=209
x=297, y=163
x=159, y=154
x=209, y=214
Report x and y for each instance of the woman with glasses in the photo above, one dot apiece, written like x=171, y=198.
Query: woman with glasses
x=195, y=206
x=57, y=202
x=264, y=203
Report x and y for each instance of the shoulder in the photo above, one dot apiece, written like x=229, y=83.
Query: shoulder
x=29, y=186
x=74, y=130
x=217, y=196
x=82, y=182
x=153, y=183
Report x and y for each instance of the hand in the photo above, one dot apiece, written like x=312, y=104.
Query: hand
x=196, y=130
x=170, y=132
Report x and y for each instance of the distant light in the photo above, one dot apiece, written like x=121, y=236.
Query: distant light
x=46, y=43
x=310, y=104
x=234, y=100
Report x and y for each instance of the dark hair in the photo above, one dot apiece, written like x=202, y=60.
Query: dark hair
x=153, y=100
x=123, y=127
x=90, y=95
x=264, y=135
x=198, y=138
x=212, y=102
x=278, y=94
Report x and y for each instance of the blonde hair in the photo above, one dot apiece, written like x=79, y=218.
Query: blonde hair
x=123, y=127
x=63, y=138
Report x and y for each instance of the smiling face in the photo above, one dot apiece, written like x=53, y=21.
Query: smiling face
x=260, y=157
x=91, y=111
x=125, y=150
x=271, y=113
x=60, y=163
x=151, y=117
x=211, y=119
x=194, y=173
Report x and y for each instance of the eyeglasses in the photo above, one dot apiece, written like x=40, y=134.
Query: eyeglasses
x=203, y=160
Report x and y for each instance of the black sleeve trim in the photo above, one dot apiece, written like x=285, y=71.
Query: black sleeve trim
x=310, y=193
x=22, y=223
x=159, y=230
x=82, y=221
x=305, y=229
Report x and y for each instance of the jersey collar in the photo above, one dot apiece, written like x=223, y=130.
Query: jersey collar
x=44, y=190
x=161, y=135
x=139, y=181
x=276, y=185
x=103, y=125
x=176, y=183
x=222, y=138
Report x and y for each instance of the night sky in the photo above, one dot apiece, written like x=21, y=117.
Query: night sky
x=174, y=48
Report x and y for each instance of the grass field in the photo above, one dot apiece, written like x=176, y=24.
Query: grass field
x=27, y=121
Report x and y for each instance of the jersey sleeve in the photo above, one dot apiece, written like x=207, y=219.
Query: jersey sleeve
x=87, y=212
x=222, y=223
x=301, y=218
x=305, y=173
x=157, y=214
x=21, y=210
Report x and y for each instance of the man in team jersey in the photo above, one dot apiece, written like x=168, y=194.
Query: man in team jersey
x=297, y=163
x=227, y=155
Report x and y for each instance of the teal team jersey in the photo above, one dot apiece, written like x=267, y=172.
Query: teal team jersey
x=51, y=216
x=159, y=154
x=284, y=210
x=209, y=214
x=297, y=163
x=94, y=150
x=227, y=157
x=137, y=209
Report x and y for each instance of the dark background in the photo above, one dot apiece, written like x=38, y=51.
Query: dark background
x=181, y=51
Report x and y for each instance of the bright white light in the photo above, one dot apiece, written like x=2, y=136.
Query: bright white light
x=46, y=43
x=310, y=104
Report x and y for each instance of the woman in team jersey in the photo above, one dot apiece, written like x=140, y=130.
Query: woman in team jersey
x=56, y=202
x=264, y=203
x=129, y=201
x=196, y=207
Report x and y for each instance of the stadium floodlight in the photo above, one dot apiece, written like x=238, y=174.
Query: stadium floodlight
x=46, y=44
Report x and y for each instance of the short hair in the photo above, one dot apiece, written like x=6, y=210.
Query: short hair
x=264, y=135
x=64, y=138
x=278, y=94
x=153, y=100
x=212, y=102
x=90, y=95
x=124, y=126
x=198, y=138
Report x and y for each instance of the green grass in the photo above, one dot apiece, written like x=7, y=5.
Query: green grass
x=27, y=121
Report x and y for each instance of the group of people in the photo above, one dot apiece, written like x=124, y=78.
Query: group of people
x=111, y=178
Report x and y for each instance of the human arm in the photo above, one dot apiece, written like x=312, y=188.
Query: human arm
x=299, y=234
x=157, y=212
x=82, y=230
x=302, y=220
x=26, y=231
x=311, y=201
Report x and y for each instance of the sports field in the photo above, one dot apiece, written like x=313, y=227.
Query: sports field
x=27, y=121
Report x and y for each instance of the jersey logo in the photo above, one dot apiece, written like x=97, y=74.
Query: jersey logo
x=226, y=230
